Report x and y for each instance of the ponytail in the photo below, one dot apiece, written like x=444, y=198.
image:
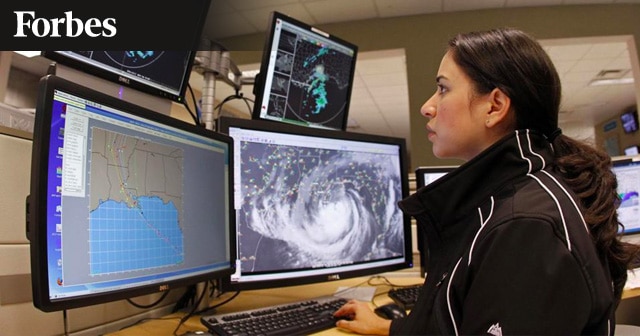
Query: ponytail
x=588, y=173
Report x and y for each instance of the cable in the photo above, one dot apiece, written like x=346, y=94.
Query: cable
x=219, y=304
x=65, y=322
x=195, y=104
x=137, y=305
x=193, y=310
x=385, y=282
x=184, y=102
x=186, y=299
x=237, y=95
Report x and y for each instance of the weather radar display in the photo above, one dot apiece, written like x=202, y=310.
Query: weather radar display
x=307, y=77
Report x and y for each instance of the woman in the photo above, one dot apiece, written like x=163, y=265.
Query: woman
x=523, y=236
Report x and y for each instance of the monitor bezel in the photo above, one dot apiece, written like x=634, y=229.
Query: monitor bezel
x=228, y=122
x=632, y=150
x=112, y=75
x=633, y=123
x=625, y=161
x=37, y=200
x=259, y=84
x=420, y=171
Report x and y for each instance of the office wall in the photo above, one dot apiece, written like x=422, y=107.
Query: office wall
x=609, y=133
x=424, y=39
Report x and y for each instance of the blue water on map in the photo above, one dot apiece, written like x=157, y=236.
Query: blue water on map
x=127, y=238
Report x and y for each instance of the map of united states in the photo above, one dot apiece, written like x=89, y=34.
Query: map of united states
x=136, y=204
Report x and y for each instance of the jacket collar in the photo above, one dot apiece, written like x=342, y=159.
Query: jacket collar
x=464, y=189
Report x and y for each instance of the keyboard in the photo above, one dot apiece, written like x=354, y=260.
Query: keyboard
x=296, y=318
x=405, y=297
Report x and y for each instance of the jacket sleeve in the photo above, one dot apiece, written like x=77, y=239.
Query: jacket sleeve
x=522, y=279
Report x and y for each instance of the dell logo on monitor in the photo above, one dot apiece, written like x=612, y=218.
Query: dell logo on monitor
x=123, y=79
x=333, y=277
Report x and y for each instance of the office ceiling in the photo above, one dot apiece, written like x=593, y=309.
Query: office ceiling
x=380, y=102
x=380, y=96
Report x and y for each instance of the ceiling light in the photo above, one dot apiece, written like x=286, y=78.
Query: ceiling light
x=611, y=81
x=28, y=53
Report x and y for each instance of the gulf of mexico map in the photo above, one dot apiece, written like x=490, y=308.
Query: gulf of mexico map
x=136, y=207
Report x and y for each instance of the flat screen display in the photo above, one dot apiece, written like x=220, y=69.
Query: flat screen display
x=629, y=121
x=306, y=76
x=428, y=174
x=124, y=201
x=316, y=205
x=163, y=73
x=628, y=175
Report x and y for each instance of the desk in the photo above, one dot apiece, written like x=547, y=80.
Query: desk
x=630, y=293
x=262, y=298
x=267, y=297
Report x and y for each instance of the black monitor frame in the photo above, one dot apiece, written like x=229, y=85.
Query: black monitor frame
x=328, y=273
x=627, y=170
x=274, y=53
x=422, y=170
x=168, y=80
x=46, y=224
x=632, y=150
x=629, y=121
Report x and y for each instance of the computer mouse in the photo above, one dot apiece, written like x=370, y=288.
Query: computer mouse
x=390, y=311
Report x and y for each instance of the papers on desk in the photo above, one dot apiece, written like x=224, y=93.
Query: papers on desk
x=633, y=279
x=358, y=293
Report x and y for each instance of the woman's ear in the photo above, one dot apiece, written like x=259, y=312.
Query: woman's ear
x=499, y=108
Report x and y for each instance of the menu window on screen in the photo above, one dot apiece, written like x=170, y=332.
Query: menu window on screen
x=127, y=202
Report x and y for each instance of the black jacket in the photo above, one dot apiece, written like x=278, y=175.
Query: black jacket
x=509, y=252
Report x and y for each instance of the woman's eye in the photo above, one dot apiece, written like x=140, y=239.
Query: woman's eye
x=441, y=89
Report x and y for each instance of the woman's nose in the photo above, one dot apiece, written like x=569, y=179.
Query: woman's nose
x=428, y=109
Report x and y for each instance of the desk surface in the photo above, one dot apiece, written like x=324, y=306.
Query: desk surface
x=268, y=297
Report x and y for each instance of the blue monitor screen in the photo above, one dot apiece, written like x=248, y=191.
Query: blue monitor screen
x=124, y=201
x=628, y=174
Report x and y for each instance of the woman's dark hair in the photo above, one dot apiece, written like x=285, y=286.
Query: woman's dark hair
x=516, y=63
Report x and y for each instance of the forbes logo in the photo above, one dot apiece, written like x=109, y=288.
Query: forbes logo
x=73, y=27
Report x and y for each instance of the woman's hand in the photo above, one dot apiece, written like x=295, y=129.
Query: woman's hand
x=358, y=317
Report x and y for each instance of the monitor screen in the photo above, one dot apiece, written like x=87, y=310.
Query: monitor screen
x=315, y=205
x=306, y=76
x=632, y=150
x=124, y=201
x=427, y=174
x=160, y=73
x=627, y=172
x=629, y=121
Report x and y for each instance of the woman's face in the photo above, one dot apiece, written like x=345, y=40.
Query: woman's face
x=457, y=115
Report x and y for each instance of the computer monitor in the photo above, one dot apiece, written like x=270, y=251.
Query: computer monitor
x=306, y=75
x=123, y=201
x=424, y=176
x=149, y=78
x=315, y=205
x=629, y=120
x=427, y=174
x=632, y=150
x=160, y=73
x=627, y=172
